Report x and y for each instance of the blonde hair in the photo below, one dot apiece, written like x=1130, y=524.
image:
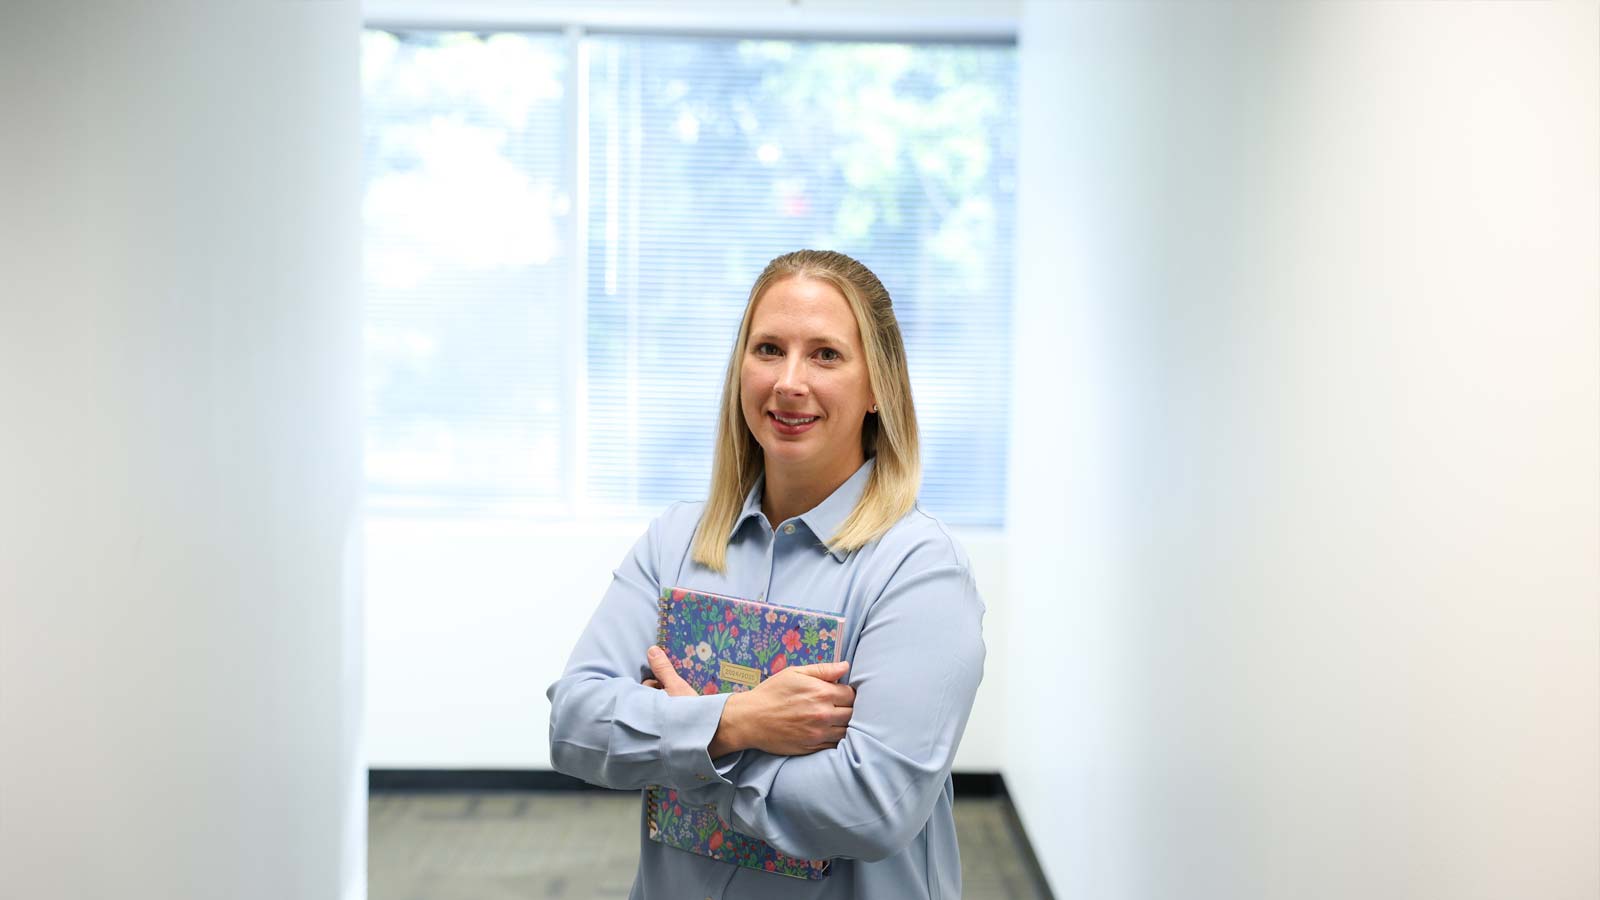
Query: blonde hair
x=890, y=436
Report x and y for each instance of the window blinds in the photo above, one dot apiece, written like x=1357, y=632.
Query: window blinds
x=497, y=378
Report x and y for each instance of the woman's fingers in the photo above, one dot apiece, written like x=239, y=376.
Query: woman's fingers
x=839, y=717
x=665, y=675
x=652, y=683
x=835, y=735
x=824, y=679
x=829, y=671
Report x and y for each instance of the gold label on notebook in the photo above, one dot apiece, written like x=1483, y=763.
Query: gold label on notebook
x=739, y=674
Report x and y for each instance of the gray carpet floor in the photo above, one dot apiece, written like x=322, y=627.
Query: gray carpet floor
x=518, y=846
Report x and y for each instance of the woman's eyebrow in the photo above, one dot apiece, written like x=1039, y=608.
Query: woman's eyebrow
x=827, y=340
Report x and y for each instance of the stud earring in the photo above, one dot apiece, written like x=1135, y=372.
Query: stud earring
x=874, y=407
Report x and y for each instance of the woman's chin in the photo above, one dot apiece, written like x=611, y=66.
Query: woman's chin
x=790, y=453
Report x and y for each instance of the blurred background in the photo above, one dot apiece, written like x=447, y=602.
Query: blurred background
x=347, y=348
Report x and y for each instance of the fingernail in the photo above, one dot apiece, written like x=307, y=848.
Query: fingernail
x=653, y=651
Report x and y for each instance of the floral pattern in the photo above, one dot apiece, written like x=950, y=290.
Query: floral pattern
x=709, y=629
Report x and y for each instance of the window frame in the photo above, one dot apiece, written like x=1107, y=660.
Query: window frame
x=901, y=21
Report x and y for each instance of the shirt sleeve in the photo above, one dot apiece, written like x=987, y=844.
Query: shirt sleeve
x=915, y=669
x=606, y=727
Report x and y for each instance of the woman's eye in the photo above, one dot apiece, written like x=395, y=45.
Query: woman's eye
x=829, y=354
x=766, y=350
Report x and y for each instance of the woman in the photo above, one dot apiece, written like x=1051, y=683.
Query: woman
x=813, y=504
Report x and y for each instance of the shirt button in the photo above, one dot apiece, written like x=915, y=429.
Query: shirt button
x=761, y=596
x=789, y=528
x=699, y=777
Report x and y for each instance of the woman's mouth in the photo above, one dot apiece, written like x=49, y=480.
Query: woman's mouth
x=786, y=424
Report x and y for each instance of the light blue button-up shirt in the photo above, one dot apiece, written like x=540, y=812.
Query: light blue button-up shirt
x=879, y=803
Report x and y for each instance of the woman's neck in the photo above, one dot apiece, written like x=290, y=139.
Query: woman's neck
x=788, y=493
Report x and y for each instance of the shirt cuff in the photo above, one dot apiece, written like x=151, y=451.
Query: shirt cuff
x=727, y=763
x=688, y=725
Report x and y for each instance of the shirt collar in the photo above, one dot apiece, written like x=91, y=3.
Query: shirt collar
x=752, y=505
x=824, y=519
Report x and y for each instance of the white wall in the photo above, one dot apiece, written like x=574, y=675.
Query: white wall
x=179, y=451
x=1307, y=561
x=468, y=624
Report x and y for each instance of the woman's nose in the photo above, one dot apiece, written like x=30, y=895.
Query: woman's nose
x=791, y=380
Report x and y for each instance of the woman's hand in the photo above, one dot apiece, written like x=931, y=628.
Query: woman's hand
x=800, y=710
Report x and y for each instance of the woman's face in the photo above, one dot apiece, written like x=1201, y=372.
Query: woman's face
x=803, y=383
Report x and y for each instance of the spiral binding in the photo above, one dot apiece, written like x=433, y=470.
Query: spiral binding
x=650, y=810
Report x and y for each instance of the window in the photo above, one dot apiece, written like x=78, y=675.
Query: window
x=562, y=230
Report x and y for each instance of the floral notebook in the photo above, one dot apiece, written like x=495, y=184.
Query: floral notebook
x=724, y=645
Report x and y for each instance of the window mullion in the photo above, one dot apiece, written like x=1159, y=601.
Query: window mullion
x=576, y=320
